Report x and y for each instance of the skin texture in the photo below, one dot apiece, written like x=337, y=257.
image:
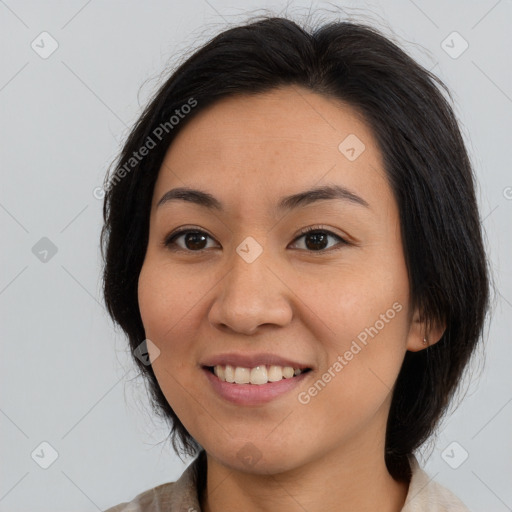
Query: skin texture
x=292, y=301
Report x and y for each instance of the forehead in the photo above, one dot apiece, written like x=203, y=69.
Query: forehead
x=274, y=143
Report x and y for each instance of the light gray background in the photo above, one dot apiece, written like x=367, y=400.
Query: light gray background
x=64, y=369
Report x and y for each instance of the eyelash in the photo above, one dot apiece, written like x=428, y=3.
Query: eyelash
x=170, y=240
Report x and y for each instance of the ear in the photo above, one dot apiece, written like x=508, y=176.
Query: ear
x=421, y=335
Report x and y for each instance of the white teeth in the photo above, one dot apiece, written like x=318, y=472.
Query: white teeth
x=275, y=373
x=242, y=375
x=258, y=375
x=229, y=374
x=219, y=371
x=287, y=372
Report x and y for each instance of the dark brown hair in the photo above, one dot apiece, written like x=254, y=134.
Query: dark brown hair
x=426, y=163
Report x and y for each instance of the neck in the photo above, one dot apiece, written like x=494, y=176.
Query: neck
x=336, y=481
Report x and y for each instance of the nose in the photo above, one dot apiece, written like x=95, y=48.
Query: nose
x=250, y=296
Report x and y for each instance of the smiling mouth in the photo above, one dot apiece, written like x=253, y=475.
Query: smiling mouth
x=258, y=375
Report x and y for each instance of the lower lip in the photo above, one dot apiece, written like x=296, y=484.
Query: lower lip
x=253, y=394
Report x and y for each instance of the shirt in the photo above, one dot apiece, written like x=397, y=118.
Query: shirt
x=424, y=494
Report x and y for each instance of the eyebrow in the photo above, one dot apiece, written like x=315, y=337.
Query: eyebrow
x=293, y=201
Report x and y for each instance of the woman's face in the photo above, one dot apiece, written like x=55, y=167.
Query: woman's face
x=253, y=292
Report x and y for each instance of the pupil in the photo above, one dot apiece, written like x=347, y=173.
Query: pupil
x=191, y=240
x=320, y=238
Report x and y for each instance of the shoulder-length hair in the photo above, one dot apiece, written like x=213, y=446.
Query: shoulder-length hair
x=426, y=164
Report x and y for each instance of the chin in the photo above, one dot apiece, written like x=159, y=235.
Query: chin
x=261, y=457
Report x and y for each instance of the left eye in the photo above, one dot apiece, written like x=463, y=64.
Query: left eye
x=317, y=239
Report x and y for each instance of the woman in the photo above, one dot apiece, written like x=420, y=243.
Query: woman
x=292, y=236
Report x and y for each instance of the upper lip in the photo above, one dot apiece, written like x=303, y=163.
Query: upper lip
x=252, y=360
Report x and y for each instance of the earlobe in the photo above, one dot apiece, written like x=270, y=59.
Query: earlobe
x=421, y=335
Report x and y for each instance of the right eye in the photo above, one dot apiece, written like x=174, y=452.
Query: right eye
x=193, y=240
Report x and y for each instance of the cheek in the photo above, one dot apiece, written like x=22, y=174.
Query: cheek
x=168, y=309
x=354, y=387
x=350, y=298
x=172, y=304
x=168, y=301
x=366, y=311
